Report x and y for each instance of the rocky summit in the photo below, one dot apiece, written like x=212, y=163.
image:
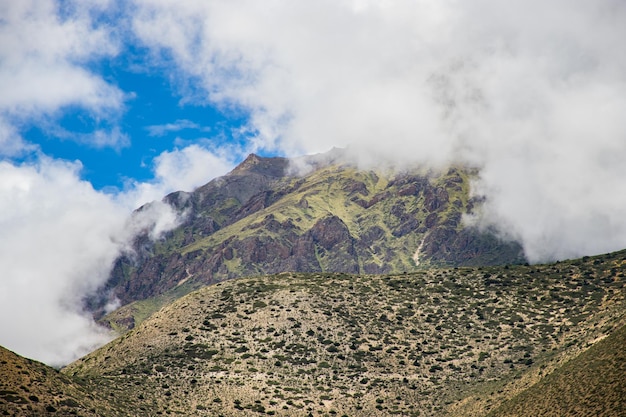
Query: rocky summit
x=267, y=217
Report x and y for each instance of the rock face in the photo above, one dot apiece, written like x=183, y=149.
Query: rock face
x=262, y=219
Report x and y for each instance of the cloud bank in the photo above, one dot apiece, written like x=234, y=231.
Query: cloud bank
x=59, y=240
x=44, y=58
x=532, y=92
x=59, y=236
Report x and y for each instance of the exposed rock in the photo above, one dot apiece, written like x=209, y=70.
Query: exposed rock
x=335, y=245
x=435, y=198
x=410, y=225
x=372, y=234
x=355, y=187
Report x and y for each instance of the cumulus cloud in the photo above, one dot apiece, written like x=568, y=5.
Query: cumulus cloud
x=532, y=92
x=180, y=169
x=58, y=237
x=59, y=240
x=11, y=142
x=44, y=57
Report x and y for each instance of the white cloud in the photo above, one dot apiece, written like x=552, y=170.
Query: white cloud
x=58, y=239
x=181, y=169
x=11, y=143
x=531, y=91
x=161, y=130
x=60, y=236
x=43, y=67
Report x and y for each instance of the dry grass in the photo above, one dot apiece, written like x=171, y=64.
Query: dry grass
x=592, y=384
x=30, y=388
x=439, y=342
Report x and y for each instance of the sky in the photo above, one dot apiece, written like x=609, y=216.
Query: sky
x=108, y=104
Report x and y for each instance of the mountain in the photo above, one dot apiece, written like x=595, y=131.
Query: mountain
x=443, y=341
x=267, y=217
x=30, y=388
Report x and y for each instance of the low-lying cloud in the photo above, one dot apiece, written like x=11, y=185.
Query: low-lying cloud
x=532, y=92
x=59, y=235
x=58, y=243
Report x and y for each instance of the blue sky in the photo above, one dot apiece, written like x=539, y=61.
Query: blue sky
x=155, y=116
x=155, y=119
x=107, y=105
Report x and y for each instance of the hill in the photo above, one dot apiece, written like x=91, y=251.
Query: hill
x=455, y=341
x=30, y=388
x=592, y=384
x=266, y=218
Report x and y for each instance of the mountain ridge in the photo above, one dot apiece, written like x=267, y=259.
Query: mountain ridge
x=265, y=217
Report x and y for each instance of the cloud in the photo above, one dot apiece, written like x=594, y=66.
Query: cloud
x=45, y=59
x=59, y=240
x=181, y=169
x=162, y=130
x=11, y=142
x=59, y=235
x=531, y=92
x=109, y=137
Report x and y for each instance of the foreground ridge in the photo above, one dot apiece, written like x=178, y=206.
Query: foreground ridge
x=438, y=342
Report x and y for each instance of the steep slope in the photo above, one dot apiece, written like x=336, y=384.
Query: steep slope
x=437, y=342
x=30, y=388
x=264, y=219
x=592, y=384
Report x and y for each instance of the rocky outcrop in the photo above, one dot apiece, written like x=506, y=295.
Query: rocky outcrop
x=335, y=245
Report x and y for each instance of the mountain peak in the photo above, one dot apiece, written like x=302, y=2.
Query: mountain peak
x=268, y=166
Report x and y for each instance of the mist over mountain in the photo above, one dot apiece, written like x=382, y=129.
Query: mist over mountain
x=436, y=317
x=314, y=214
x=531, y=93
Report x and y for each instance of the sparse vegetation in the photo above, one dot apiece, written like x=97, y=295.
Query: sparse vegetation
x=429, y=343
